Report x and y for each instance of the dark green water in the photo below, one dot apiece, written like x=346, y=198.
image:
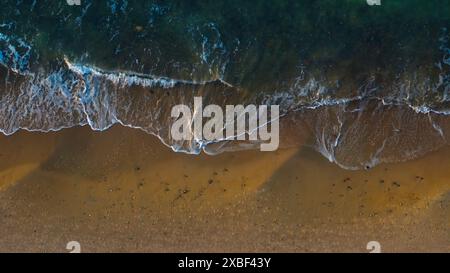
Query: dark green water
x=326, y=62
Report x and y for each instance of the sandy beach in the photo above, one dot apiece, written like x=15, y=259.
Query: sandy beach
x=122, y=190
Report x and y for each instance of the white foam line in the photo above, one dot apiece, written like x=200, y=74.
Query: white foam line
x=144, y=79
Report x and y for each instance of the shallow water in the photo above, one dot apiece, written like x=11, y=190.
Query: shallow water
x=363, y=84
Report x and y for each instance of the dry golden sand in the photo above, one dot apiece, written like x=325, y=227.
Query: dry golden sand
x=122, y=190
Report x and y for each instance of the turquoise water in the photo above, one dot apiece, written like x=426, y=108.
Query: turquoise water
x=325, y=61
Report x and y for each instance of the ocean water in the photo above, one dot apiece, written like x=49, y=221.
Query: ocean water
x=365, y=84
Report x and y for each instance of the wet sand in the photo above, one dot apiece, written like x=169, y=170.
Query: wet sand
x=123, y=191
